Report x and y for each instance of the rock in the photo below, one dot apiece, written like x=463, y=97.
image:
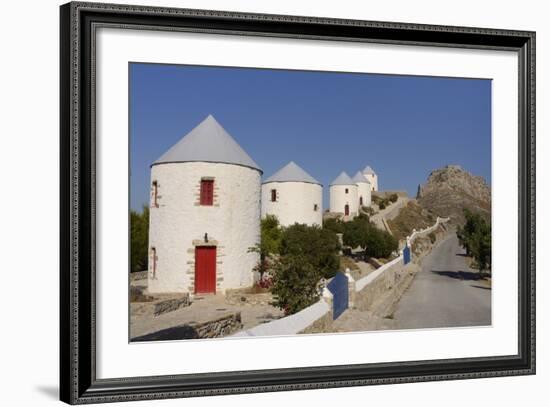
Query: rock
x=451, y=189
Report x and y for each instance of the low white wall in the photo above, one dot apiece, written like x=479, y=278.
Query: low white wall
x=410, y=239
x=291, y=325
x=363, y=282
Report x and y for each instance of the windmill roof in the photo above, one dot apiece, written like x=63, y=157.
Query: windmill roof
x=292, y=172
x=368, y=170
x=342, y=179
x=359, y=177
x=208, y=142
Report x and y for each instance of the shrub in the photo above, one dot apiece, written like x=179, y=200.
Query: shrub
x=382, y=204
x=333, y=224
x=270, y=242
x=376, y=243
x=432, y=237
x=139, y=239
x=295, y=283
x=475, y=237
x=355, y=233
x=393, y=197
x=319, y=247
x=380, y=243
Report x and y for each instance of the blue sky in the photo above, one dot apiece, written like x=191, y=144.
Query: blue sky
x=402, y=126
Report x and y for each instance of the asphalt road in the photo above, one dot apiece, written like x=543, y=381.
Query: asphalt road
x=445, y=293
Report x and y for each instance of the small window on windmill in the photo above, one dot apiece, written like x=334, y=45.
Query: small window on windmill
x=154, y=194
x=347, y=190
x=315, y=207
x=207, y=192
x=273, y=195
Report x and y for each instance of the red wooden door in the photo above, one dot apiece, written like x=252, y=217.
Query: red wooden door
x=346, y=210
x=205, y=269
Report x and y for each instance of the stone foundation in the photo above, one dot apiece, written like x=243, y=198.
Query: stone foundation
x=219, y=327
x=172, y=304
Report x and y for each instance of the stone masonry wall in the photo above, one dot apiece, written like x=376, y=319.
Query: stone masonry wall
x=223, y=326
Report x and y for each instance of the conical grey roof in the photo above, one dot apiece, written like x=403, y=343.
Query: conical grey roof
x=368, y=170
x=342, y=179
x=292, y=172
x=359, y=177
x=208, y=142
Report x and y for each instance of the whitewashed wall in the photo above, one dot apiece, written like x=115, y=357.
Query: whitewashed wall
x=364, y=190
x=295, y=202
x=179, y=223
x=339, y=198
x=373, y=179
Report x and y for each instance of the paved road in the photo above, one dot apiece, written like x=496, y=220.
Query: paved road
x=445, y=293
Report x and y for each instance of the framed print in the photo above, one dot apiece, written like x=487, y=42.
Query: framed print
x=255, y=203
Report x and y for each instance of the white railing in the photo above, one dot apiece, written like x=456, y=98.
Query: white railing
x=363, y=282
x=410, y=239
x=292, y=324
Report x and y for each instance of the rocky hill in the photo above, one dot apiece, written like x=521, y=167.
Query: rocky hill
x=450, y=189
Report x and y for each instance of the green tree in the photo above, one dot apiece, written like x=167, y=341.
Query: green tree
x=379, y=243
x=270, y=242
x=319, y=247
x=475, y=237
x=355, y=233
x=139, y=239
x=295, y=283
x=334, y=224
x=360, y=232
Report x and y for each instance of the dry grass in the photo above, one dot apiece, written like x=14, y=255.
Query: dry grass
x=347, y=262
x=412, y=216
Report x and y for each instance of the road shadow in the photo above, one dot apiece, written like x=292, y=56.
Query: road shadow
x=481, y=287
x=460, y=275
x=169, y=334
x=462, y=254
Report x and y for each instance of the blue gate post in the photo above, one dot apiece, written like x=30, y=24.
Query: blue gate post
x=406, y=255
x=338, y=286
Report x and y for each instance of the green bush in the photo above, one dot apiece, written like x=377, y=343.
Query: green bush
x=382, y=204
x=334, y=224
x=475, y=237
x=270, y=243
x=432, y=237
x=380, y=244
x=319, y=247
x=139, y=239
x=355, y=232
x=393, y=197
x=375, y=242
x=295, y=283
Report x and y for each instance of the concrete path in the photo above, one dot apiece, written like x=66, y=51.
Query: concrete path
x=390, y=212
x=445, y=293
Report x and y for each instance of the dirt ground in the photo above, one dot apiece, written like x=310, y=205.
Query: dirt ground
x=202, y=309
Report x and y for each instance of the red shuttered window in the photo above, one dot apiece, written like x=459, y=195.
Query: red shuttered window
x=207, y=192
x=155, y=193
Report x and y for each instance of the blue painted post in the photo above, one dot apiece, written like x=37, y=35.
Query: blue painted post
x=406, y=255
x=338, y=286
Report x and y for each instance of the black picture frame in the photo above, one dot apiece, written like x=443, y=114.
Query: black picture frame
x=78, y=382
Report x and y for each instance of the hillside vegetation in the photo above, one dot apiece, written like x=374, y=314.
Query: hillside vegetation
x=412, y=216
